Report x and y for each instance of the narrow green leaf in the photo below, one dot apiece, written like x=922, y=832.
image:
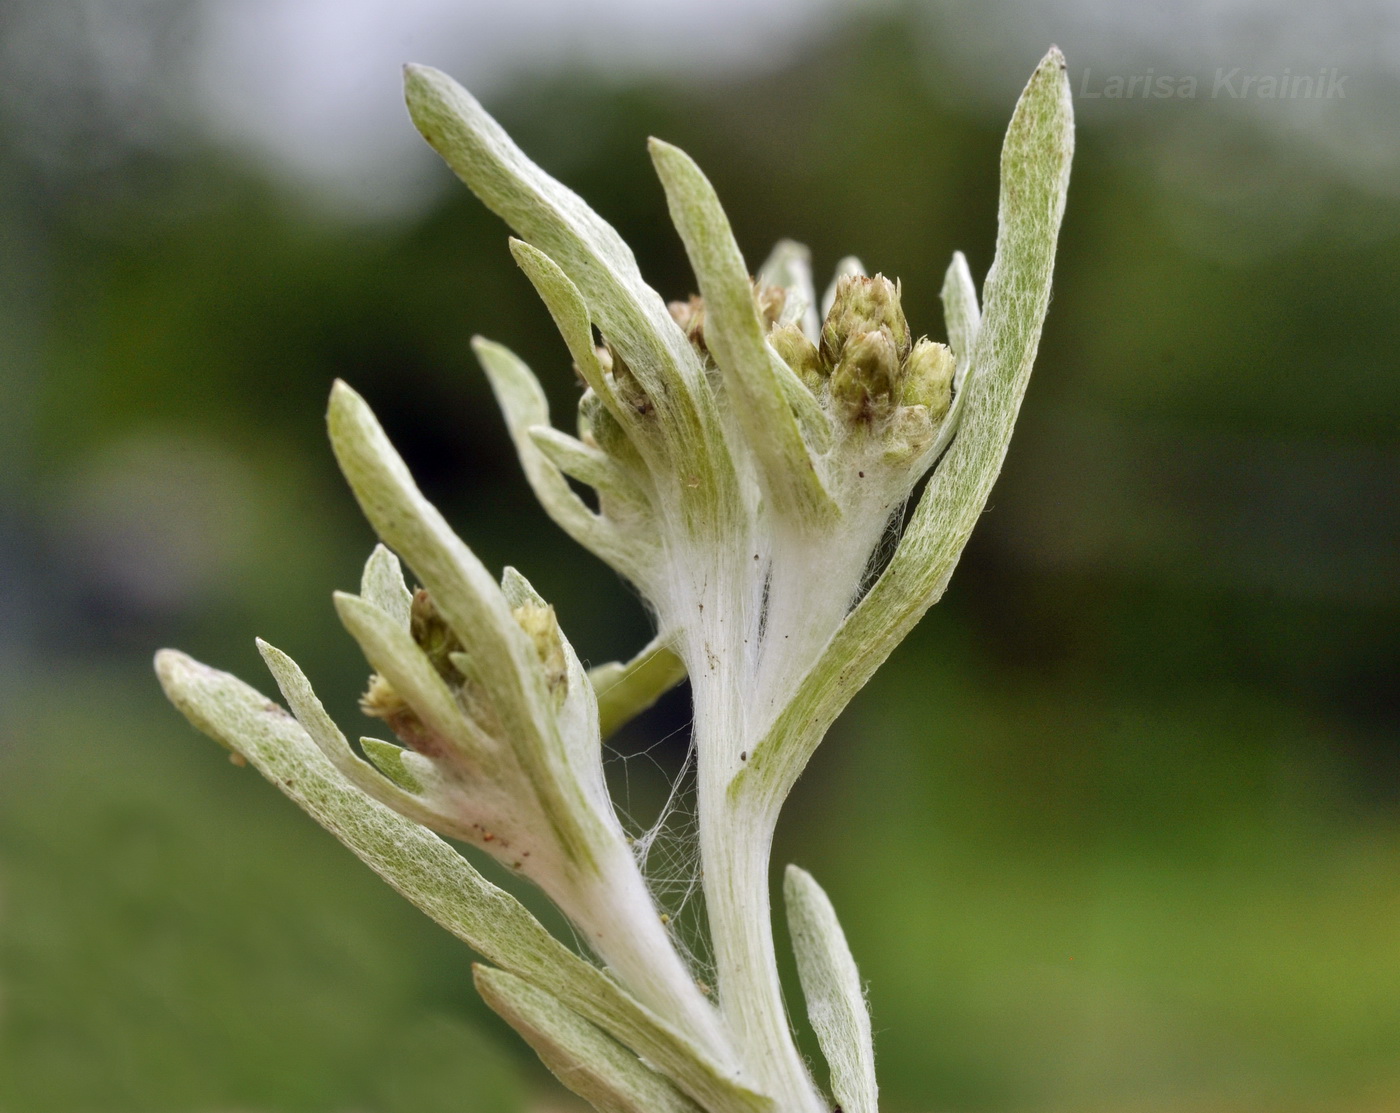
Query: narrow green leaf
x=525, y=407
x=789, y=265
x=300, y=697
x=626, y=690
x=592, y=466
x=835, y=998
x=566, y=305
x=734, y=334
x=519, y=591
x=811, y=418
x=961, y=313
x=382, y=583
x=577, y=715
x=388, y=759
x=463, y=591
x=561, y=224
x=433, y=876
x=586, y=1060
x=1035, y=166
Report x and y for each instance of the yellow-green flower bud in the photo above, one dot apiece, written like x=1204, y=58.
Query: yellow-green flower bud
x=799, y=353
x=381, y=701
x=863, y=382
x=864, y=305
x=434, y=637
x=543, y=627
x=927, y=379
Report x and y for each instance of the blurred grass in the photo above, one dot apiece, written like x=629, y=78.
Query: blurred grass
x=1119, y=828
x=175, y=936
x=1066, y=897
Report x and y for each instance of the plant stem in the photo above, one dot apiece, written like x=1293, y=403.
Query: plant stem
x=616, y=912
x=735, y=840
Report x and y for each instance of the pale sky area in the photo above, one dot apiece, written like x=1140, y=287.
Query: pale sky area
x=312, y=86
x=314, y=83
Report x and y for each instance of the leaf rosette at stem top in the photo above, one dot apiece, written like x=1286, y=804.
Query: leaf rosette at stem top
x=750, y=449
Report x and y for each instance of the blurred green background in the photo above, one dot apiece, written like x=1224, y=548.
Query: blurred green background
x=1117, y=829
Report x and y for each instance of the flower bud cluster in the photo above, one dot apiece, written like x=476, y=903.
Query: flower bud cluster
x=448, y=658
x=866, y=366
x=466, y=767
x=863, y=365
x=498, y=720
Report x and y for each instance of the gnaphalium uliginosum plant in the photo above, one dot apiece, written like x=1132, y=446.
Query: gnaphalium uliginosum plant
x=748, y=454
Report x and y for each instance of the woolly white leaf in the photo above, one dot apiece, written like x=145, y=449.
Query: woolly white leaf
x=383, y=585
x=835, y=1000
x=583, y=1058
x=435, y=877
x=734, y=334
x=961, y=313
x=1035, y=167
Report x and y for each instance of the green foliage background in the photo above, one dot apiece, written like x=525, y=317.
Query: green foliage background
x=1119, y=828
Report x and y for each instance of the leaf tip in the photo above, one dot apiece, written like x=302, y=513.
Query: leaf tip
x=271, y=655
x=192, y=687
x=344, y=400
x=796, y=881
x=344, y=601
x=419, y=82
x=667, y=157
x=174, y=669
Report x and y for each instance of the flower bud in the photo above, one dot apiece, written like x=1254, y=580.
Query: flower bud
x=862, y=384
x=799, y=353
x=434, y=637
x=927, y=378
x=540, y=623
x=442, y=649
x=910, y=432
x=381, y=701
x=864, y=305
